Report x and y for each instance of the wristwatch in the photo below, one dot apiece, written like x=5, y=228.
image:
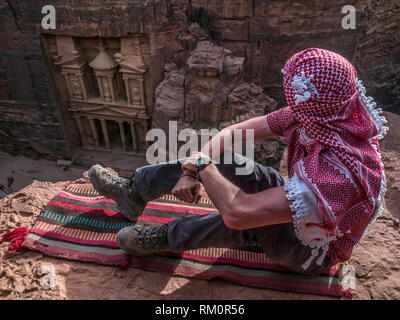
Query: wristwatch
x=201, y=163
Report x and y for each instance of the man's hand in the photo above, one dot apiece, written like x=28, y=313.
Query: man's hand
x=188, y=189
x=190, y=162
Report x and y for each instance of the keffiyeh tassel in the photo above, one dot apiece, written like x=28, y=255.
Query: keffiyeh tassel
x=303, y=88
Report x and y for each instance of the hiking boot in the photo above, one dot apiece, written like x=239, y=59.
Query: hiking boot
x=142, y=240
x=122, y=191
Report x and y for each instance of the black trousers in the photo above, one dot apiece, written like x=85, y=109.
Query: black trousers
x=279, y=241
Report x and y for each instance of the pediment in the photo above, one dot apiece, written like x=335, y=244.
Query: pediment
x=130, y=63
x=74, y=60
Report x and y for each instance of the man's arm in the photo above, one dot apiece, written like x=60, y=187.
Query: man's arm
x=243, y=211
x=216, y=146
x=238, y=209
x=188, y=189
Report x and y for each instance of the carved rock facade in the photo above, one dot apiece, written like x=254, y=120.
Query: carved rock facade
x=107, y=93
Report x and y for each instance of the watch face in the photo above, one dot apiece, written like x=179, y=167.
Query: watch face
x=202, y=162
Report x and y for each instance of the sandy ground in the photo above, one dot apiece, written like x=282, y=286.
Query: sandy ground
x=375, y=260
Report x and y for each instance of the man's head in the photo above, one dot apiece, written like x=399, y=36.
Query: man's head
x=319, y=83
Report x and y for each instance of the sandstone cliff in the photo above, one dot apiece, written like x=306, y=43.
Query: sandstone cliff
x=34, y=119
x=208, y=92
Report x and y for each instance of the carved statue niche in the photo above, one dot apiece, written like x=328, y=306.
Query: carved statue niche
x=75, y=71
x=133, y=69
x=105, y=70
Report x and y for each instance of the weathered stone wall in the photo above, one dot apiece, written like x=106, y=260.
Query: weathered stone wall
x=378, y=53
x=268, y=33
x=29, y=120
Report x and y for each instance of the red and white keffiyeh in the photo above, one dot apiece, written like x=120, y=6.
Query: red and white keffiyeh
x=332, y=132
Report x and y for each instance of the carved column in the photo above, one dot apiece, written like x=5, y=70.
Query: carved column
x=141, y=132
x=141, y=87
x=94, y=133
x=128, y=93
x=105, y=133
x=122, y=134
x=134, y=137
x=81, y=130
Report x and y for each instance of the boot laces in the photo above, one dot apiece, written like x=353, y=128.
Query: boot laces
x=154, y=238
x=115, y=182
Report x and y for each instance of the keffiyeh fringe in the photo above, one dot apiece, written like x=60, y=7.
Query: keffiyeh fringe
x=370, y=105
x=299, y=207
x=375, y=113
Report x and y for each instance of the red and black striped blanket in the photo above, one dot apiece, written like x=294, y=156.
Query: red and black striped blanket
x=79, y=224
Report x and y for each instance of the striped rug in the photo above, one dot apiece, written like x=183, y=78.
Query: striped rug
x=79, y=224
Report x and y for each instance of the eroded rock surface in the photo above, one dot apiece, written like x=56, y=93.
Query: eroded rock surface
x=208, y=92
x=34, y=115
